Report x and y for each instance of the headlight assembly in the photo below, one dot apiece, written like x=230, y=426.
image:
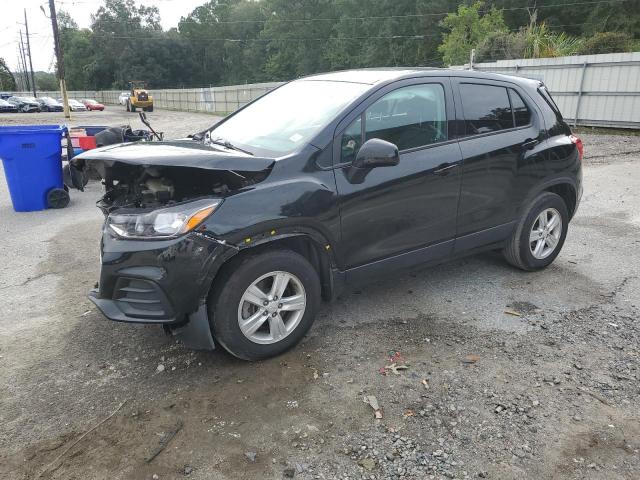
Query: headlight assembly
x=162, y=223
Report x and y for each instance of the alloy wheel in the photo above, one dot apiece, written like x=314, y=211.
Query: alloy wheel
x=272, y=307
x=545, y=233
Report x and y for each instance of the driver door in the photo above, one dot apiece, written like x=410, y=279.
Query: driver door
x=399, y=216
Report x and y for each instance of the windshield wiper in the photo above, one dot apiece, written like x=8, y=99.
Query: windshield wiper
x=229, y=145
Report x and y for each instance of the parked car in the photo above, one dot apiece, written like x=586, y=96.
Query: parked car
x=5, y=95
x=6, y=107
x=48, y=104
x=25, y=104
x=329, y=181
x=92, y=105
x=124, y=98
x=75, y=105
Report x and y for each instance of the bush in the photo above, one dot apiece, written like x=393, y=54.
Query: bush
x=607, y=42
x=501, y=46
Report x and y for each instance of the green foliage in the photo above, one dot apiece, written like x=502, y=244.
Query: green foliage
x=467, y=28
x=246, y=41
x=607, y=42
x=501, y=46
x=45, y=81
x=542, y=43
x=7, y=80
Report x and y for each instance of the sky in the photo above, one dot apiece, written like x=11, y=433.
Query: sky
x=12, y=20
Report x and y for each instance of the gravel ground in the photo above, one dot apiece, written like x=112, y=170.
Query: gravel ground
x=509, y=375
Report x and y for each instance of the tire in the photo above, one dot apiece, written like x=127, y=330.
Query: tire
x=228, y=304
x=150, y=109
x=520, y=250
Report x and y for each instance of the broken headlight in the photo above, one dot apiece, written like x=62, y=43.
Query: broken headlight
x=162, y=223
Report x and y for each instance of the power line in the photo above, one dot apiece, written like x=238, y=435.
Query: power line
x=274, y=18
x=300, y=39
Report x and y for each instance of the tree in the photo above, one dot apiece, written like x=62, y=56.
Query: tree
x=501, y=46
x=46, y=81
x=543, y=43
x=466, y=29
x=7, y=80
x=295, y=32
x=607, y=42
x=120, y=29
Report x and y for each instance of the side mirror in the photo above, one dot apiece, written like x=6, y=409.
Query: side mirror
x=377, y=153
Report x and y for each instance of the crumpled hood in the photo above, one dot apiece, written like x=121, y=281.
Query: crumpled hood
x=177, y=153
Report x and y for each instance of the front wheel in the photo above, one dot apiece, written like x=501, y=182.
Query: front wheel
x=540, y=234
x=264, y=304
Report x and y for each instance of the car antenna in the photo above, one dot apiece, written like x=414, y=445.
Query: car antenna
x=143, y=119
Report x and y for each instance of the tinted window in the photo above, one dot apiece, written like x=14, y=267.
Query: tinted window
x=409, y=117
x=486, y=108
x=521, y=113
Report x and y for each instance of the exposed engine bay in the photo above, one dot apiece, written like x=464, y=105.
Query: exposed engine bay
x=150, y=174
x=136, y=186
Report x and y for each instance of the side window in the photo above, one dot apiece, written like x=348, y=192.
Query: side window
x=486, y=108
x=409, y=117
x=351, y=141
x=521, y=113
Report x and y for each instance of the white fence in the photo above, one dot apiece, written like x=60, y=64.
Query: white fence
x=593, y=90
x=211, y=99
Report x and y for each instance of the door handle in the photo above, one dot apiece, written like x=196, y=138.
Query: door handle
x=445, y=168
x=529, y=143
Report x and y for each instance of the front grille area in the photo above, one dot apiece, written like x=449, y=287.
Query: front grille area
x=141, y=299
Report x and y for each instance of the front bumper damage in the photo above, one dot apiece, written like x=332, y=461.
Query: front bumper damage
x=163, y=282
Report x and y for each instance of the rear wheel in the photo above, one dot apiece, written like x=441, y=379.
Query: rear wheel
x=265, y=304
x=540, y=234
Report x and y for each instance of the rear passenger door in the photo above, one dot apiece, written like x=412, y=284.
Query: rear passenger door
x=499, y=132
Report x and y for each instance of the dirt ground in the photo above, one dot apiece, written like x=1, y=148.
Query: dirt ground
x=510, y=375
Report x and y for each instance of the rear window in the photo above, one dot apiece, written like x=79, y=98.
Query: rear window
x=486, y=108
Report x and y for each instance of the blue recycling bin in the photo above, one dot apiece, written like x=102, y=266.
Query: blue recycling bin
x=32, y=160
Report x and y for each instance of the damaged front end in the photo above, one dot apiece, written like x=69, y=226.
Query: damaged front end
x=159, y=249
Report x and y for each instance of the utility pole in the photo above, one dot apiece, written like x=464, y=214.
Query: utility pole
x=20, y=80
x=26, y=27
x=24, y=63
x=472, y=57
x=59, y=58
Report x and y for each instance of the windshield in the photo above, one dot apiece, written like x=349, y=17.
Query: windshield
x=284, y=120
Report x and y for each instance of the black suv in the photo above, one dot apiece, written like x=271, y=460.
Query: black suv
x=235, y=234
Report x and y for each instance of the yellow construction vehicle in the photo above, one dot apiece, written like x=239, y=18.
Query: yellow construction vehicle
x=139, y=97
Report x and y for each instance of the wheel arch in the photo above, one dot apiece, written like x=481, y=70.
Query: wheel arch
x=311, y=245
x=564, y=187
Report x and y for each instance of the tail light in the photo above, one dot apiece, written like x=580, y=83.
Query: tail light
x=579, y=146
